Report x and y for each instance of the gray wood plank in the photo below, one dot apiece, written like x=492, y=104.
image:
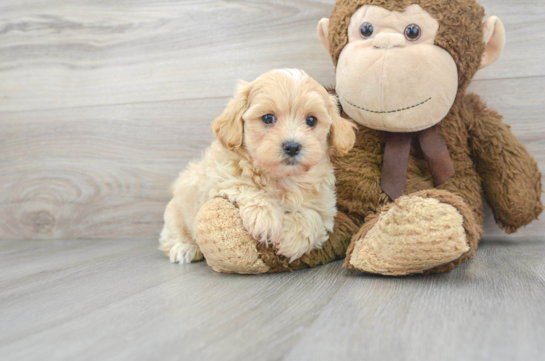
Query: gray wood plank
x=104, y=172
x=102, y=103
x=492, y=308
x=51, y=289
x=99, y=172
x=57, y=54
x=52, y=260
x=162, y=310
x=137, y=306
x=95, y=171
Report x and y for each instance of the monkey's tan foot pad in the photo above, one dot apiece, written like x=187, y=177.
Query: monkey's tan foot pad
x=428, y=231
x=223, y=240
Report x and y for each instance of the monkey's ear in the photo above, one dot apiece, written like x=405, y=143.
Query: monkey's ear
x=323, y=33
x=494, y=40
x=342, y=134
x=229, y=126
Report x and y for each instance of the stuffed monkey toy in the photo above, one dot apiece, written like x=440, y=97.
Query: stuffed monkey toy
x=409, y=193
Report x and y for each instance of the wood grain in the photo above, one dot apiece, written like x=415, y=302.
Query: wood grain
x=104, y=172
x=98, y=172
x=61, y=54
x=123, y=300
x=102, y=103
x=489, y=310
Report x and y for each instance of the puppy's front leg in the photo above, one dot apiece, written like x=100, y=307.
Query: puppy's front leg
x=176, y=241
x=303, y=231
x=262, y=217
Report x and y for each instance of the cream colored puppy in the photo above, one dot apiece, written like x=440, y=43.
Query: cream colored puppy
x=271, y=159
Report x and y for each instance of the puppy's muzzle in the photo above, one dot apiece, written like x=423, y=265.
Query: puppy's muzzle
x=291, y=149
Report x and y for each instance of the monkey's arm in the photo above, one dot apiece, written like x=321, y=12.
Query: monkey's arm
x=511, y=178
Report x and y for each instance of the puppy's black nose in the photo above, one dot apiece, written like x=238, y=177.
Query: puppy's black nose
x=291, y=148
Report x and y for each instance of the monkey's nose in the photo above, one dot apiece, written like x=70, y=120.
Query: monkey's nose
x=291, y=148
x=389, y=40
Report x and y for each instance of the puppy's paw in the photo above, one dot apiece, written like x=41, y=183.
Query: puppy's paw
x=263, y=222
x=303, y=231
x=178, y=251
x=183, y=253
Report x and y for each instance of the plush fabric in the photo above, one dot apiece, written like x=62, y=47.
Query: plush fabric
x=228, y=248
x=373, y=91
x=224, y=241
x=460, y=32
x=430, y=229
x=486, y=156
x=414, y=234
x=493, y=46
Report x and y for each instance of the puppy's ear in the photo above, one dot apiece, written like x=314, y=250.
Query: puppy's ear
x=342, y=135
x=229, y=126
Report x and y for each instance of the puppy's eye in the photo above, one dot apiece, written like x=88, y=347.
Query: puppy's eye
x=312, y=121
x=366, y=30
x=413, y=32
x=268, y=119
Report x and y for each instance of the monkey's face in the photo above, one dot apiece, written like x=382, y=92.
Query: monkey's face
x=391, y=76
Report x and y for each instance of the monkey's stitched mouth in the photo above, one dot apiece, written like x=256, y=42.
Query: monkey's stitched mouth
x=389, y=111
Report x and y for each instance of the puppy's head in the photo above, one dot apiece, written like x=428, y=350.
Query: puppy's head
x=286, y=121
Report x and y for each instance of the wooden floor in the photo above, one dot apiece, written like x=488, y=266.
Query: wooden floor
x=103, y=300
x=103, y=102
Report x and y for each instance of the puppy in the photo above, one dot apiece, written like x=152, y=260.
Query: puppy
x=271, y=159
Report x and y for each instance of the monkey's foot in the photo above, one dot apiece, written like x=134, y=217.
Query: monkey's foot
x=428, y=231
x=228, y=247
x=224, y=242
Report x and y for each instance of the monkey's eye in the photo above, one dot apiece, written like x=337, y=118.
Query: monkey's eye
x=367, y=30
x=268, y=119
x=312, y=121
x=413, y=32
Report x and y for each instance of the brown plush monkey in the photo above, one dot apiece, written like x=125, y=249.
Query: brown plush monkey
x=402, y=71
x=409, y=193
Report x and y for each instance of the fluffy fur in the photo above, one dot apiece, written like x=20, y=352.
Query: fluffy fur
x=486, y=155
x=423, y=229
x=460, y=32
x=228, y=248
x=487, y=158
x=288, y=202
